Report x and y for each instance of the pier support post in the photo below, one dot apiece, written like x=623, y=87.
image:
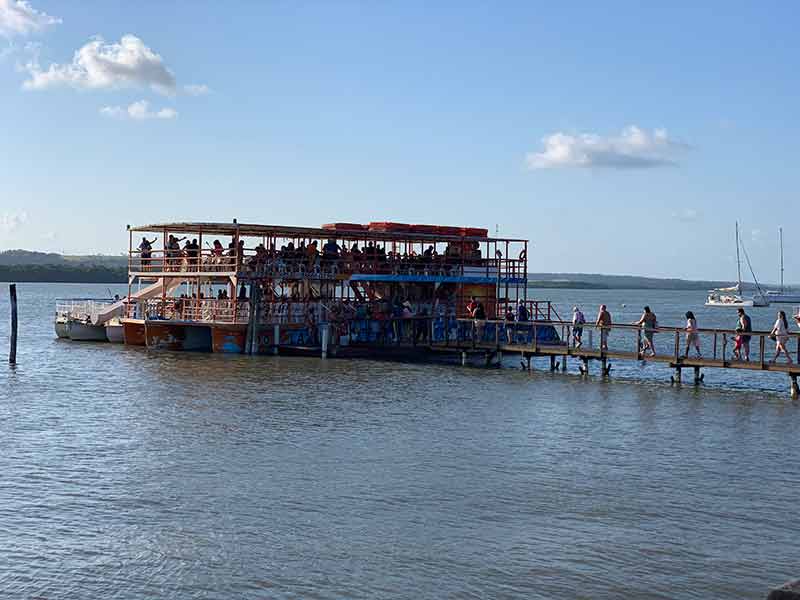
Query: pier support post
x=564, y=364
x=12, y=353
x=585, y=366
x=698, y=377
x=325, y=334
x=676, y=378
x=794, y=391
x=276, y=338
x=463, y=359
x=553, y=366
x=605, y=366
x=251, y=339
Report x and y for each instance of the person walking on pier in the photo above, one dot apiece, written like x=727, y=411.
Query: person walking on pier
x=578, y=321
x=743, y=326
x=604, y=324
x=780, y=333
x=648, y=322
x=692, y=335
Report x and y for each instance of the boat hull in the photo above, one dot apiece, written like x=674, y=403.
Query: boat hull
x=228, y=339
x=62, y=331
x=115, y=333
x=178, y=336
x=85, y=332
x=133, y=332
x=783, y=297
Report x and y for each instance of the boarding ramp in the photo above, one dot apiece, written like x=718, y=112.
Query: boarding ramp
x=170, y=284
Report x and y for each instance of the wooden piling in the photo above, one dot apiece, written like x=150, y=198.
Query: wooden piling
x=325, y=334
x=12, y=354
x=794, y=391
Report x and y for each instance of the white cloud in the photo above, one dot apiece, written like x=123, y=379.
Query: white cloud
x=98, y=65
x=11, y=221
x=138, y=111
x=687, y=215
x=197, y=89
x=18, y=17
x=633, y=148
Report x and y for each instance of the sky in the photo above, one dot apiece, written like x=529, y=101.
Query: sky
x=619, y=137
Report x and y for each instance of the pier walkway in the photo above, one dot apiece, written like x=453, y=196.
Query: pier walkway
x=493, y=339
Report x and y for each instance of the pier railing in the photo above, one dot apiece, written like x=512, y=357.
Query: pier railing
x=718, y=347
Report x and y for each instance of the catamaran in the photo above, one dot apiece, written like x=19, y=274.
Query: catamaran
x=782, y=295
x=732, y=296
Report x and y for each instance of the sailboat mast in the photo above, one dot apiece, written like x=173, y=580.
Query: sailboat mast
x=738, y=260
x=780, y=235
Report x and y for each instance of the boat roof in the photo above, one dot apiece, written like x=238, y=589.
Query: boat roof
x=285, y=231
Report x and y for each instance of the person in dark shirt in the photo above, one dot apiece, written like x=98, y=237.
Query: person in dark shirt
x=743, y=326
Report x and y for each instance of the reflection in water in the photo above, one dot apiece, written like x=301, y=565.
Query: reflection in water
x=132, y=474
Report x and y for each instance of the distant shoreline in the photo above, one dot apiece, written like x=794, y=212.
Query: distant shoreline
x=38, y=267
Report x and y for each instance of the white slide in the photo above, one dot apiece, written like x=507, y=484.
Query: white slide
x=151, y=291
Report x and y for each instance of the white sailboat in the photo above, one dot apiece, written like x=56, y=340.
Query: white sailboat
x=732, y=296
x=782, y=295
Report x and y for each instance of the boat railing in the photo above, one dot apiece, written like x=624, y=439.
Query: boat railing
x=174, y=261
x=213, y=310
x=84, y=309
x=254, y=262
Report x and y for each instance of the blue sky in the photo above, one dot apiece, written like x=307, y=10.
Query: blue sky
x=665, y=124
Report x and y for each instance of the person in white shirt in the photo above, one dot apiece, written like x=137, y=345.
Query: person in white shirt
x=780, y=332
x=692, y=335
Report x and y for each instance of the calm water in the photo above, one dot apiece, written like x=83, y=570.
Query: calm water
x=133, y=474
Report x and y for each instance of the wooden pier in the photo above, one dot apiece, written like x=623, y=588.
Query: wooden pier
x=625, y=344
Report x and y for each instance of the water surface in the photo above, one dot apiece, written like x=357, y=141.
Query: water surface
x=135, y=474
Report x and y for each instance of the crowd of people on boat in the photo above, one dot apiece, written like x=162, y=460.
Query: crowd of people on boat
x=307, y=257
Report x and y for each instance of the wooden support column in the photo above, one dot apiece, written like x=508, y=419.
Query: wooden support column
x=794, y=391
x=676, y=378
x=276, y=338
x=605, y=366
x=698, y=377
x=325, y=334
x=251, y=340
x=553, y=366
x=564, y=363
x=12, y=353
x=585, y=366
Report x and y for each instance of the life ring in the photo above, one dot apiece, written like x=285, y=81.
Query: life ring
x=523, y=254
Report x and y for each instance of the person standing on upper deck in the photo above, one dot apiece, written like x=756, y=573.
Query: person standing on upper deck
x=603, y=323
x=146, y=252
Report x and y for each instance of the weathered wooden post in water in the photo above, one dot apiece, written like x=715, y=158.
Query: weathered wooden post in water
x=12, y=354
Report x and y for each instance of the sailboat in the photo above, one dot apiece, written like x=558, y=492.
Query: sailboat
x=732, y=296
x=782, y=295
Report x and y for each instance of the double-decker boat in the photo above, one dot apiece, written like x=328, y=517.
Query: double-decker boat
x=235, y=287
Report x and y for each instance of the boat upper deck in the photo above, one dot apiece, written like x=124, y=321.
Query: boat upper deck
x=379, y=251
